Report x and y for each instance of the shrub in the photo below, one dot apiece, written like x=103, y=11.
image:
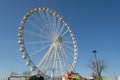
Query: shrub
x=36, y=78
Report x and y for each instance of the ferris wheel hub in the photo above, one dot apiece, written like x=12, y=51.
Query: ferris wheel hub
x=57, y=40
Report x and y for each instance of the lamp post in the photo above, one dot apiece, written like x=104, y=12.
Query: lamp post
x=97, y=65
x=94, y=52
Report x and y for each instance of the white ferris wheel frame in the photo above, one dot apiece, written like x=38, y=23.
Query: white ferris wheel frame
x=23, y=49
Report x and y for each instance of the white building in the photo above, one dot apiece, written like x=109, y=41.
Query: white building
x=118, y=77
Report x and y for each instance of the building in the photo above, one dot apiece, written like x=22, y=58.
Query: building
x=18, y=77
x=118, y=77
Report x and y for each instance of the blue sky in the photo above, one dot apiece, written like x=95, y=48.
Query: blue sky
x=95, y=23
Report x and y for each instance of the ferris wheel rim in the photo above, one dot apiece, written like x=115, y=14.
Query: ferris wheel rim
x=21, y=39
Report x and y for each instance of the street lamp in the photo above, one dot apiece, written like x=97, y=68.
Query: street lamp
x=94, y=52
x=97, y=65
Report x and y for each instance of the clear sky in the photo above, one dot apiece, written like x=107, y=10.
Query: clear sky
x=95, y=23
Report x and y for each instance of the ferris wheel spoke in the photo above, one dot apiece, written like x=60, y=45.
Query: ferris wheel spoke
x=44, y=65
x=35, y=34
x=35, y=20
x=43, y=17
x=60, y=63
x=68, y=59
x=58, y=26
x=69, y=51
x=61, y=29
x=45, y=58
x=68, y=47
x=65, y=66
x=65, y=38
x=56, y=66
x=36, y=24
x=40, y=50
x=38, y=42
x=48, y=16
x=40, y=20
x=47, y=62
x=54, y=23
x=56, y=69
x=53, y=65
x=64, y=33
x=64, y=63
x=30, y=22
x=48, y=67
x=68, y=42
x=44, y=27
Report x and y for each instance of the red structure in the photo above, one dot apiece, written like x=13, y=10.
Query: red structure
x=72, y=76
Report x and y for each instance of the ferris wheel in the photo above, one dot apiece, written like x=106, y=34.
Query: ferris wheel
x=47, y=42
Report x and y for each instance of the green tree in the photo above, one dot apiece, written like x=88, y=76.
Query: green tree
x=36, y=78
x=32, y=78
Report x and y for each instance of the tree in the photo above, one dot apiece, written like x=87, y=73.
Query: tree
x=36, y=78
x=97, y=66
x=94, y=75
x=32, y=78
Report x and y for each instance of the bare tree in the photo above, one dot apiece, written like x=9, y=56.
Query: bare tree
x=94, y=75
x=97, y=66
